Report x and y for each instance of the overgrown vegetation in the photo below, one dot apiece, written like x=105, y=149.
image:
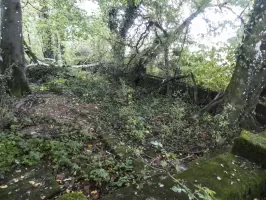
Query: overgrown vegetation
x=109, y=123
x=144, y=124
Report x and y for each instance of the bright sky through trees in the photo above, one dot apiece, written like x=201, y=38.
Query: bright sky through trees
x=199, y=26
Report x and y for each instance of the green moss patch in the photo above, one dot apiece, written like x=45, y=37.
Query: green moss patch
x=231, y=177
x=30, y=183
x=73, y=196
x=251, y=147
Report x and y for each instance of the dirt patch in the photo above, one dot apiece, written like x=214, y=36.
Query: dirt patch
x=53, y=114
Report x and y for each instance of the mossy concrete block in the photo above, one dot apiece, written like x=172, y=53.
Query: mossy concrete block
x=231, y=177
x=251, y=147
x=73, y=196
x=29, y=183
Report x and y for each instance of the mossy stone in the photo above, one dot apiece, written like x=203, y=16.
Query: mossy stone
x=73, y=196
x=231, y=177
x=33, y=183
x=251, y=147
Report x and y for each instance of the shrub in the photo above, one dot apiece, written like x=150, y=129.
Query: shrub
x=44, y=73
x=6, y=104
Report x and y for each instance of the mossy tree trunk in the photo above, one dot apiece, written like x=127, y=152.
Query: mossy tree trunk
x=120, y=28
x=246, y=85
x=12, y=47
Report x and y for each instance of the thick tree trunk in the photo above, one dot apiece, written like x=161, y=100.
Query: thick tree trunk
x=242, y=94
x=12, y=47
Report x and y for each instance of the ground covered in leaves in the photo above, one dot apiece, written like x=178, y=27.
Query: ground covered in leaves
x=67, y=123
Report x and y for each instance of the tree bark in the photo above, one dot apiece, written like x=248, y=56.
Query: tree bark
x=246, y=85
x=12, y=47
x=242, y=94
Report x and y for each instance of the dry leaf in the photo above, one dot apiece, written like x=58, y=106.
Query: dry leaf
x=94, y=192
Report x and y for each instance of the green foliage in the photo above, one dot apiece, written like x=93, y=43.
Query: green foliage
x=134, y=122
x=8, y=153
x=99, y=176
x=7, y=115
x=88, y=87
x=213, y=72
x=199, y=193
x=116, y=173
x=15, y=149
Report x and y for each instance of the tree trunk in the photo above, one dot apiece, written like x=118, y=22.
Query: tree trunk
x=242, y=94
x=167, y=69
x=12, y=47
x=47, y=35
x=246, y=85
x=121, y=29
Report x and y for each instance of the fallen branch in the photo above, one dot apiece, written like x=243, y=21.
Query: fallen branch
x=30, y=53
x=166, y=81
x=211, y=106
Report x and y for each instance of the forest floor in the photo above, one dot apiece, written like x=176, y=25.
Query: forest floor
x=94, y=136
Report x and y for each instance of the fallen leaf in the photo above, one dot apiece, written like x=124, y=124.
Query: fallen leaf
x=161, y=185
x=94, y=192
x=32, y=182
x=3, y=186
x=43, y=197
x=15, y=180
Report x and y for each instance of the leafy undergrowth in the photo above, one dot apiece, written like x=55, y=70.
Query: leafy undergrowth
x=62, y=124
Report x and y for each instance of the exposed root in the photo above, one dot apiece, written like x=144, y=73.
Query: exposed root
x=213, y=105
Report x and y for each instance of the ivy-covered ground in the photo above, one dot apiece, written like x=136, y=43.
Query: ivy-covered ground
x=63, y=126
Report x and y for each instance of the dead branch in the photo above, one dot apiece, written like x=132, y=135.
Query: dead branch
x=166, y=81
x=30, y=53
x=180, y=54
x=195, y=88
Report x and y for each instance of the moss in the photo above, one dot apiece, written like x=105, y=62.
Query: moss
x=231, y=177
x=251, y=147
x=73, y=196
x=40, y=174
